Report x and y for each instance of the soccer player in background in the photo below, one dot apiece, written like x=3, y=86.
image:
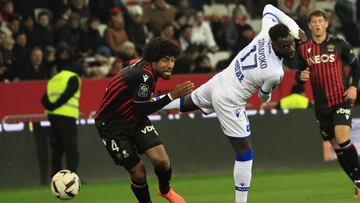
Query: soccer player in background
x=258, y=67
x=122, y=120
x=322, y=60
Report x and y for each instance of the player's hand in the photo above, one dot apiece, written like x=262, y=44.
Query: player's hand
x=305, y=75
x=302, y=36
x=350, y=94
x=182, y=89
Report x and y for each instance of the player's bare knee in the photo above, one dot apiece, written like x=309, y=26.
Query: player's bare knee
x=138, y=172
x=161, y=164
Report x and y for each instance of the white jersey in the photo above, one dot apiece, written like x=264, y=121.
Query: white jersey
x=257, y=67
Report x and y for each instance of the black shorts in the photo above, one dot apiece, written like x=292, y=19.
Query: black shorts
x=124, y=146
x=328, y=118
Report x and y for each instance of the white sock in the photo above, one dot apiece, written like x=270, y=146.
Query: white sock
x=242, y=178
x=175, y=104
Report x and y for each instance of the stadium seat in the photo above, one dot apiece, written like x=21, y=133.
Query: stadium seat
x=220, y=10
x=218, y=56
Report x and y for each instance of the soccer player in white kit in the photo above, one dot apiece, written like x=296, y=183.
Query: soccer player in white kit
x=258, y=67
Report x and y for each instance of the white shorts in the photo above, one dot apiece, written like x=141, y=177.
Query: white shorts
x=213, y=96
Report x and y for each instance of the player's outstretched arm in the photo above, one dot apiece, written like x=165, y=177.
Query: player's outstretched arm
x=272, y=15
x=267, y=88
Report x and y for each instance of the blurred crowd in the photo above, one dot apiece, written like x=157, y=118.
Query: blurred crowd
x=99, y=37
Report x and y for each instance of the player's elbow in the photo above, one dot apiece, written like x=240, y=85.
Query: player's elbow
x=268, y=9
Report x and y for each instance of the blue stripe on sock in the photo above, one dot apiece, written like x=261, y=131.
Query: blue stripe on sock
x=245, y=156
x=242, y=189
x=181, y=104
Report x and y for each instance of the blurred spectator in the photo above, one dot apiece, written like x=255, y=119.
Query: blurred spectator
x=79, y=7
x=186, y=9
x=136, y=28
x=6, y=57
x=20, y=50
x=64, y=56
x=185, y=62
x=247, y=34
x=14, y=25
x=217, y=28
x=128, y=51
x=185, y=36
x=201, y=33
x=347, y=16
x=296, y=100
x=115, y=34
x=102, y=64
x=28, y=28
x=64, y=17
x=233, y=26
x=180, y=20
x=91, y=40
x=43, y=34
x=168, y=32
x=202, y=65
x=330, y=17
x=4, y=76
x=70, y=33
x=7, y=10
x=36, y=69
x=50, y=60
x=300, y=17
x=116, y=66
x=100, y=8
x=158, y=14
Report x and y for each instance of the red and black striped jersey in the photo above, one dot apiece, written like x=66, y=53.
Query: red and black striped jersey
x=134, y=83
x=326, y=62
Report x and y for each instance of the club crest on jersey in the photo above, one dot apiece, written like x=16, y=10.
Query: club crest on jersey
x=143, y=90
x=145, y=77
x=330, y=47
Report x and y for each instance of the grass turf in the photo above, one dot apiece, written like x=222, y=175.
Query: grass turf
x=301, y=186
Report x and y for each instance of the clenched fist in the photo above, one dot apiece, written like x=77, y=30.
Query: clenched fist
x=305, y=75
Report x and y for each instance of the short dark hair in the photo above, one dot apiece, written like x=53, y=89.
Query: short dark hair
x=158, y=48
x=317, y=13
x=278, y=31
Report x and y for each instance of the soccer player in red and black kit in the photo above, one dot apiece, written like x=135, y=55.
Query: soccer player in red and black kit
x=322, y=60
x=122, y=120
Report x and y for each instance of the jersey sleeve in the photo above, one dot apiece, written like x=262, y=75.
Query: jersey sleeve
x=142, y=87
x=347, y=54
x=299, y=59
x=272, y=16
x=270, y=83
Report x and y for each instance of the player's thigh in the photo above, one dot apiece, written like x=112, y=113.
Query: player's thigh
x=233, y=118
x=342, y=122
x=122, y=151
x=146, y=137
x=325, y=123
x=202, y=96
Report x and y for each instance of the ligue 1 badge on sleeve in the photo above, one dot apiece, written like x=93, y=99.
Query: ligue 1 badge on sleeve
x=143, y=90
x=330, y=47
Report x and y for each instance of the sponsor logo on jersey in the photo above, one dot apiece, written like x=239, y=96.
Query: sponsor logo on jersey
x=149, y=128
x=143, y=90
x=324, y=58
x=331, y=48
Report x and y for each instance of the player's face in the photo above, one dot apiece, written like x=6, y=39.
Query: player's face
x=285, y=47
x=164, y=67
x=318, y=26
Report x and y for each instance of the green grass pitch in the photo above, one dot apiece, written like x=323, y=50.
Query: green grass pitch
x=301, y=186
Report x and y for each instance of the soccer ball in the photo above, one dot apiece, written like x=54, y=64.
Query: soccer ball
x=65, y=184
